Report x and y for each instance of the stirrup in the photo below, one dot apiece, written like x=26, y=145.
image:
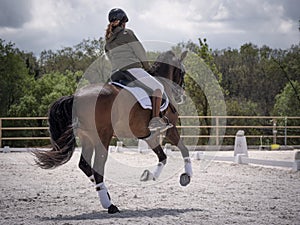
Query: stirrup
x=159, y=124
x=168, y=124
x=153, y=134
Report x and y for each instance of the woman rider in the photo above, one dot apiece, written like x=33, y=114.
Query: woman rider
x=127, y=53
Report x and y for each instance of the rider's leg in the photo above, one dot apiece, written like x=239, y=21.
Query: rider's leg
x=156, y=122
x=147, y=79
x=156, y=103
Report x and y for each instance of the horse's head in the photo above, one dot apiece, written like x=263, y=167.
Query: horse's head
x=170, y=67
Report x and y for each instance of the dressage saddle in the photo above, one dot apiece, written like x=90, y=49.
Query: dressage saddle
x=127, y=79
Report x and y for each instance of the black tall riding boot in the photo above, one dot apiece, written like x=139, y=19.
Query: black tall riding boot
x=156, y=122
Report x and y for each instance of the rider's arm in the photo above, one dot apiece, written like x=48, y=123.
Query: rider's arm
x=138, y=48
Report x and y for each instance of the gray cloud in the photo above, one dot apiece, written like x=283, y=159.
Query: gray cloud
x=14, y=13
x=291, y=8
x=225, y=23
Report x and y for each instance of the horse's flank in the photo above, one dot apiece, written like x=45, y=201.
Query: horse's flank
x=104, y=107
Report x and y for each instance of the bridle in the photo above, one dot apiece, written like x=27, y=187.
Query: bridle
x=178, y=89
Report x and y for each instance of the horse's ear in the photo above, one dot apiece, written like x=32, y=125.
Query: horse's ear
x=183, y=55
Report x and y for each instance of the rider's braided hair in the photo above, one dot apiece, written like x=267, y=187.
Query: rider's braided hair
x=110, y=28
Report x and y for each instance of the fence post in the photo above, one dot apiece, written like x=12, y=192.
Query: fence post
x=217, y=130
x=285, y=131
x=0, y=132
x=274, y=131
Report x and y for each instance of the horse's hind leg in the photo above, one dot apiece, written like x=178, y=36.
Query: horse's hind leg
x=162, y=160
x=101, y=153
x=174, y=138
x=85, y=161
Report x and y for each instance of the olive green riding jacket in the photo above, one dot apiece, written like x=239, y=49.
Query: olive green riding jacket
x=125, y=51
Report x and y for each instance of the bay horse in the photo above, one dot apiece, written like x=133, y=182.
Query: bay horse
x=98, y=111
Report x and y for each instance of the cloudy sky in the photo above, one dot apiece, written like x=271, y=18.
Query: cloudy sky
x=36, y=25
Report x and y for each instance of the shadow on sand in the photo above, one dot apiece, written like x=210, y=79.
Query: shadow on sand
x=96, y=215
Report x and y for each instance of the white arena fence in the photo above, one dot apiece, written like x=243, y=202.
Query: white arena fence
x=263, y=129
x=240, y=148
x=239, y=157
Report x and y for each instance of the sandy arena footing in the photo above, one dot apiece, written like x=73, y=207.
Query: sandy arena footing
x=219, y=193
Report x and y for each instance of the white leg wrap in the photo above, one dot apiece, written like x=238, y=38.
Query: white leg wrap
x=103, y=195
x=158, y=170
x=188, y=166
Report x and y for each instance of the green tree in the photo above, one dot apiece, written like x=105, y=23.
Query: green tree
x=202, y=82
x=45, y=90
x=257, y=74
x=288, y=102
x=194, y=63
x=14, y=77
x=31, y=63
x=76, y=58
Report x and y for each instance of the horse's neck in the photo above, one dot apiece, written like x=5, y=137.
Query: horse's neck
x=167, y=86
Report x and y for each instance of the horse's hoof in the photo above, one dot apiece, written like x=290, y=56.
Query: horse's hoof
x=147, y=175
x=185, y=179
x=113, y=209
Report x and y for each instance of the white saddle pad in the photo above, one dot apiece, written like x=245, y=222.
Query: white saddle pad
x=142, y=97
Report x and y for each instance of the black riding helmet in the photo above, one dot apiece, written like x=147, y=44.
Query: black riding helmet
x=117, y=14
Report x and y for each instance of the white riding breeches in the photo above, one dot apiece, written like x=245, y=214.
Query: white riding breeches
x=144, y=77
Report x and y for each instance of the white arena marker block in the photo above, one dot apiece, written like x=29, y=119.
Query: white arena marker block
x=240, y=144
x=199, y=155
x=119, y=146
x=168, y=149
x=111, y=149
x=142, y=146
x=296, y=166
x=239, y=158
x=6, y=149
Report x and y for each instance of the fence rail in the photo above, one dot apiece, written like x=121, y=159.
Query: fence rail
x=218, y=127
x=7, y=132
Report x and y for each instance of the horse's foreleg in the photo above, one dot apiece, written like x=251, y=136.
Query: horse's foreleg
x=186, y=158
x=162, y=160
x=174, y=138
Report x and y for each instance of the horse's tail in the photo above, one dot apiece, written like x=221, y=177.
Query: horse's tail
x=62, y=137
